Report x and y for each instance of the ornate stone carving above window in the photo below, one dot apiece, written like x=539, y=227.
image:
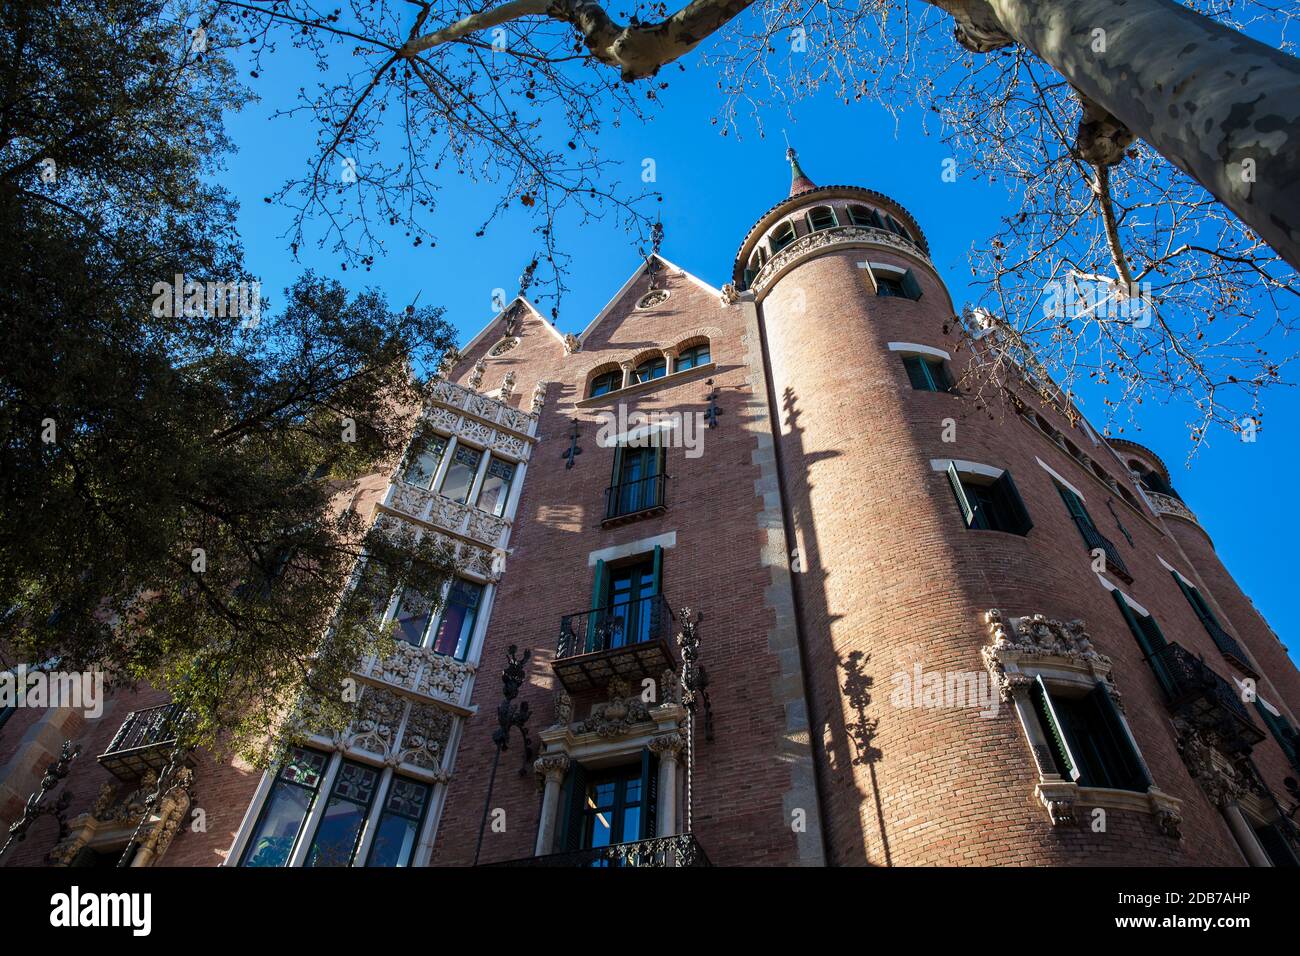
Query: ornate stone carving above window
x=431, y=508
x=1026, y=648
x=112, y=821
x=616, y=716
x=419, y=670
x=400, y=733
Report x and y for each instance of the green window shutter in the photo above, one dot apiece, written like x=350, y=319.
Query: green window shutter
x=911, y=287
x=1055, y=732
x=575, y=793
x=649, y=794
x=942, y=376
x=1129, y=769
x=916, y=372
x=1015, y=504
x=1074, y=504
x=963, y=502
x=659, y=570
x=1149, y=639
x=1281, y=732
x=617, y=476
x=598, y=587
x=1191, y=597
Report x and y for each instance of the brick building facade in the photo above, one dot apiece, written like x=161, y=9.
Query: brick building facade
x=939, y=625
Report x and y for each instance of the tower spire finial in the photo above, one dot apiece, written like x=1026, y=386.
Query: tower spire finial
x=799, y=181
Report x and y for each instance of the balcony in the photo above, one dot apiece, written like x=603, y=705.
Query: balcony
x=635, y=499
x=631, y=640
x=1095, y=539
x=1200, y=695
x=1169, y=505
x=680, y=850
x=144, y=742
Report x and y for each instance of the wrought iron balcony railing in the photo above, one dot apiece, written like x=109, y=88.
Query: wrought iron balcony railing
x=1095, y=539
x=630, y=640
x=144, y=741
x=636, y=497
x=1198, y=693
x=680, y=850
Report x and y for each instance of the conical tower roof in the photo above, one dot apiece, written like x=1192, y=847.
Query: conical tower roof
x=799, y=181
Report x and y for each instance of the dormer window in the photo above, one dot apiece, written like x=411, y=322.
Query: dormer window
x=781, y=236
x=821, y=217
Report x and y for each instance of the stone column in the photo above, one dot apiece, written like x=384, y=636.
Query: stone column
x=1245, y=835
x=667, y=748
x=551, y=768
x=627, y=373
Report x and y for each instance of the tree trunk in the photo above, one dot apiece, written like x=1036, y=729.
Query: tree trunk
x=1206, y=97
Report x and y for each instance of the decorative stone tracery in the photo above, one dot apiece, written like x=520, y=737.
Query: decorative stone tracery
x=616, y=716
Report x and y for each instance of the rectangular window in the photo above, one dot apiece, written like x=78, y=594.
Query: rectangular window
x=927, y=374
x=990, y=505
x=1150, y=639
x=1090, y=743
x=865, y=217
x=339, y=831
x=414, y=612
x=460, y=473
x=1286, y=736
x=422, y=463
x=399, y=824
x=456, y=626
x=902, y=285
x=1225, y=642
x=496, y=487
x=638, y=480
x=1092, y=538
x=286, y=808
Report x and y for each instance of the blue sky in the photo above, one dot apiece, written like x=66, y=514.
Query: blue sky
x=714, y=188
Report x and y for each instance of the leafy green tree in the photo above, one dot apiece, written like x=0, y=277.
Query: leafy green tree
x=176, y=469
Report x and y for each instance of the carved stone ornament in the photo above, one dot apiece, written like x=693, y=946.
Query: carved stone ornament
x=114, y=814
x=1221, y=782
x=476, y=376
x=553, y=766
x=539, y=397
x=1038, y=639
x=729, y=295
x=652, y=299
x=617, y=715
x=571, y=344
x=824, y=238
x=504, y=346
x=1059, y=801
x=507, y=387
x=424, y=741
x=376, y=725
x=563, y=708
x=667, y=746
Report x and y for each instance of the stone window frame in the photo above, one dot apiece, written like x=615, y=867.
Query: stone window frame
x=1029, y=646
x=616, y=730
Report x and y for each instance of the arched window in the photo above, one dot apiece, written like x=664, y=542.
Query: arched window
x=650, y=369
x=608, y=382
x=692, y=357
x=821, y=217
x=865, y=216
x=781, y=236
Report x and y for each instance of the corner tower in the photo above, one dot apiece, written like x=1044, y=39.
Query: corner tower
x=891, y=585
